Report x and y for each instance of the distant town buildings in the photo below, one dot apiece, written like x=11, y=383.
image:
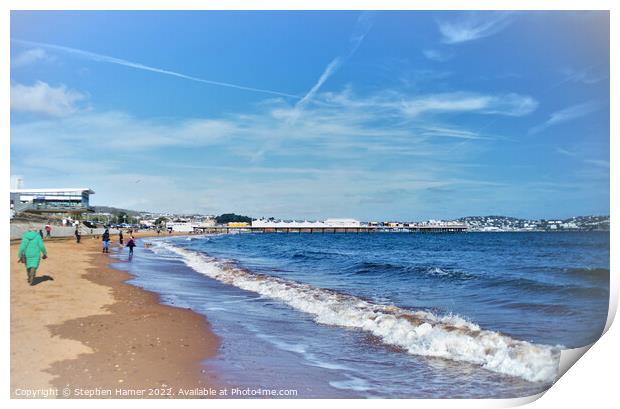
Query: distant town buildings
x=69, y=204
x=503, y=223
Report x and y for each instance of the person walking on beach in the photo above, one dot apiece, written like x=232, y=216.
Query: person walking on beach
x=41, y=233
x=48, y=229
x=120, y=237
x=29, y=253
x=105, y=239
x=78, y=236
x=131, y=244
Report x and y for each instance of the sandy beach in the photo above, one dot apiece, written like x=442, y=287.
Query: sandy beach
x=80, y=327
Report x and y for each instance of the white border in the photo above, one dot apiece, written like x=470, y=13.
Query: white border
x=591, y=382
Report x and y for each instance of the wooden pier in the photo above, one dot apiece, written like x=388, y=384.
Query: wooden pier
x=361, y=229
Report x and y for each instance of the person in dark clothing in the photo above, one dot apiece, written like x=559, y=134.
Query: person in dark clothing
x=120, y=237
x=41, y=233
x=131, y=244
x=105, y=239
x=78, y=236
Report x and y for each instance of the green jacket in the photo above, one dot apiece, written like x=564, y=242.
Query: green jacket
x=32, y=246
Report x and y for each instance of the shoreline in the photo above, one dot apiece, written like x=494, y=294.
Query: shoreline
x=84, y=327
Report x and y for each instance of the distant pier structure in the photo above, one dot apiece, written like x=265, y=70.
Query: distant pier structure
x=331, y=226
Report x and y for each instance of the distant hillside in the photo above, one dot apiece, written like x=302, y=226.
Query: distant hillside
x=116, y=210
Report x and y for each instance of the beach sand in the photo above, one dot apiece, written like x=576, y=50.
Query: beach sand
x=82, y=327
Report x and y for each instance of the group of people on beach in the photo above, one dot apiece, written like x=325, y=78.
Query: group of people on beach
x=32, y=249
x=105, y=239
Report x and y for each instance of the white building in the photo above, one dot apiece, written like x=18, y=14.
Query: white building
x=189, y=225
x=329, y=223
x=46, y=200
x=180, y=226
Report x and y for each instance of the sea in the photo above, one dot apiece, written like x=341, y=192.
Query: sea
x=386, y=315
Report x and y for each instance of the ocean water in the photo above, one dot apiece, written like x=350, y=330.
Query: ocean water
x=389, y=315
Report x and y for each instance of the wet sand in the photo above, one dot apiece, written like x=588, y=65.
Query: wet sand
x=82, y=327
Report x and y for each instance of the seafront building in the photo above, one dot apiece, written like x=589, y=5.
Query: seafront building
x=189, y=225
x=51, y=201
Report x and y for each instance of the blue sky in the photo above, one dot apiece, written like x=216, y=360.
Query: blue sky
x=308, y=115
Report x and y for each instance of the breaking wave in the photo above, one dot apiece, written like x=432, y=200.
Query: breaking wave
x=397, y=270
x=418, y=332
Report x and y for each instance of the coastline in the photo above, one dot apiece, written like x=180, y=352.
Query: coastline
x=84, y=327
x=89, y=329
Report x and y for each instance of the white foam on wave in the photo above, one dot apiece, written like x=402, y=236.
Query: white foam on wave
x=418, y=332
x=353, y=383
x=309, y=358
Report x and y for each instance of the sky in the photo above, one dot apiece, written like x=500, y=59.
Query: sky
x=408, y=115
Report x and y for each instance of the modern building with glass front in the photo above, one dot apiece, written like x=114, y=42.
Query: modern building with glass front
x=62, y=201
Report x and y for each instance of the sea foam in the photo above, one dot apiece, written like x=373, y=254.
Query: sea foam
x=418, y=332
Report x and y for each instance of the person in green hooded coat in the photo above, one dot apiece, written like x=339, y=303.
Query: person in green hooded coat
x=30, y=253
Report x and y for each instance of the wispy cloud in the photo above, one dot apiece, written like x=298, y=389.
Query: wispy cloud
x=567, y=114
x=503, y=104
x=29, y=56
x=321, y=153
x=588, y=75
x=41, y=98
x=118, y=61
x=123, y=132
x=472, y=26
x=362, y=27
x=565, y=152
x=598, y=162
x=340, y=146
x=341, y=125
x=581, y=155
x=436, y=55
x=450, y=133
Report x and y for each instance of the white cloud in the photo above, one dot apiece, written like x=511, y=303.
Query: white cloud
x=578, y=155
x=598, y=162
x=450, y=133
x=28, y=57
x=362, y=27
x=436, y=55
x=394, y=103
x=472, y=26
x=42, y=98
x=572, y=112
x=329, y=70
x=388, y=122
x=566, y=152
x=567, y=114
x=589, y=75
x=117, y=131
x=338, y=145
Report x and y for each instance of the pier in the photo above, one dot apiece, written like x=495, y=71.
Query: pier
x=456, y=228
